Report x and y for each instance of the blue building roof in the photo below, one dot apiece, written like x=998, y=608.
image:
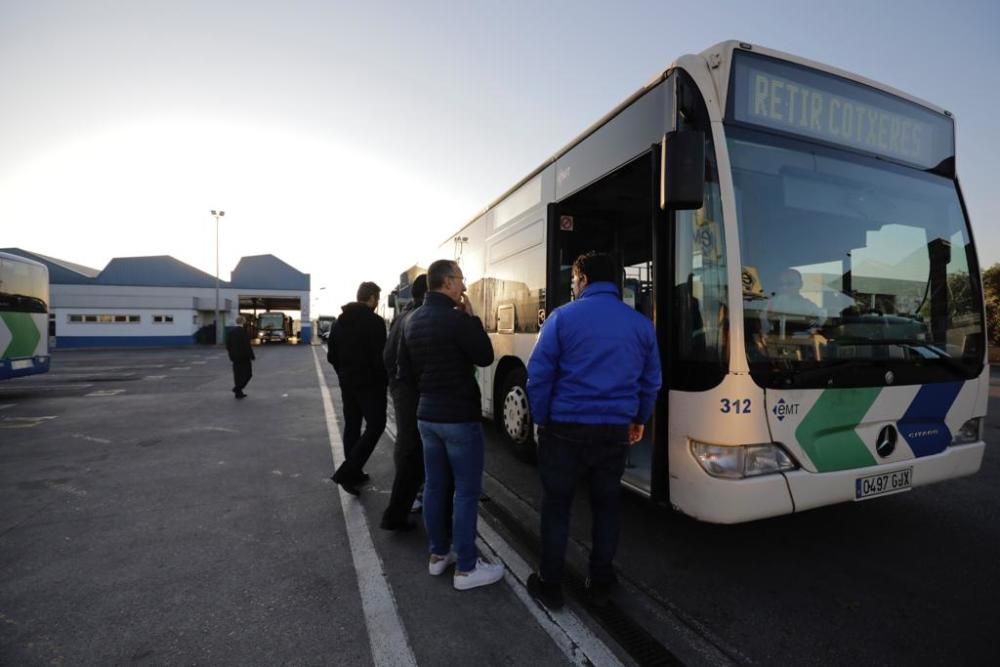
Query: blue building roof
x=260, y=272
x=159, y=271
x=268, y=272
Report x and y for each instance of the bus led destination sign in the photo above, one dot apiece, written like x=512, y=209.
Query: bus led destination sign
x=821, y=106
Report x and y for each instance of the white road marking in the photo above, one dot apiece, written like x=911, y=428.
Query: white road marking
x=7, y=405
x=106, y=392
x=23, y=422
x=386, y=634
x=155, y=377
x=181, y=368
x=81, y=436
x=197, y=363
x=570, y=634
x=221, y=429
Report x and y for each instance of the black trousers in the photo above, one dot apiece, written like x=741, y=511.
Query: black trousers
x=242, y=372
x=361, y=403
x=408, y=455
x=567, y=453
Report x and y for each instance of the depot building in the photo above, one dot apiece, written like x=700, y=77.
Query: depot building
x=151, y=301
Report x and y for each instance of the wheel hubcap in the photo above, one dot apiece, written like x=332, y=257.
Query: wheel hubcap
x=515, y=414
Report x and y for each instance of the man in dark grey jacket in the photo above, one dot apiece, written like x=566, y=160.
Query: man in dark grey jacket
x=442, y=344
x=355, y=350
x=408, y=453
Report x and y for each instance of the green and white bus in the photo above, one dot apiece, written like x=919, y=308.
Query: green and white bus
x=798, y=236
x=24, y=319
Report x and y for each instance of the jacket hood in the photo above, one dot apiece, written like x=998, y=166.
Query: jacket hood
x=355, y=311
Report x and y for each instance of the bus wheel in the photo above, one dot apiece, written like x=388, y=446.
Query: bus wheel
x=515, y=414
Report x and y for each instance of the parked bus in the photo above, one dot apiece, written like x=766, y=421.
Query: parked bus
x=24, y=319
x=401, y=295
x=274, y=327
x=324, y=324
x=798, y=236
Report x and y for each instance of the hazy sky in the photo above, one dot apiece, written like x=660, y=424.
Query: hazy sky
x=344, y=137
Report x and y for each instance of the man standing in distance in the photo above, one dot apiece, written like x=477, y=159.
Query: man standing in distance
x=442, y=344
x=242, y=356
x=355, y=350
x=592, y=382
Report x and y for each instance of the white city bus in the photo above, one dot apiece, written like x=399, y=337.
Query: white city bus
x=798, y=236
x=24, y=319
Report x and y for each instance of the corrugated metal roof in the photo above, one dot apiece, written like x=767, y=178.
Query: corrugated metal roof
x=158, y=271
x=268, y=272
x=259, y=272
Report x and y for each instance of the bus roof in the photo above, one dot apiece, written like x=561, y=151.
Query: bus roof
x=722, y=53
x=6, y=256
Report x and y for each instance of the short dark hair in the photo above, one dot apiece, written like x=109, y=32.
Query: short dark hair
x=367, y=290
x=419, y=287
x=438, y=271
x=599, y=267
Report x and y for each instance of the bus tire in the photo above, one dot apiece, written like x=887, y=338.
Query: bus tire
x=513, y=414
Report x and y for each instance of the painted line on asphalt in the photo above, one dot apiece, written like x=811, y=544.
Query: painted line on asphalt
x=81, y=436
x=7, y=405
x=23, y=422
x=386, y=634
x=570, y=634
x=106, y=392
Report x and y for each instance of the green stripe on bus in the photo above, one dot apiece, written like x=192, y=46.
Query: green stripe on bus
x=827, y=433
x=24, y=335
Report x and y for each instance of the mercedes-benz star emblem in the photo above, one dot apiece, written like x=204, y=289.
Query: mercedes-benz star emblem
x=889, y=377
x=886, y=442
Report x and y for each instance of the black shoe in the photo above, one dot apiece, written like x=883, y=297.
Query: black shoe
x=398, y=526
x=349, y=487
x=240, y=395
x=549, y=595
x=598, y=592
x=364, y=477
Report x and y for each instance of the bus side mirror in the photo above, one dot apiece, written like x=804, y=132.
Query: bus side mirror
x=682, y=170
x=392, y=299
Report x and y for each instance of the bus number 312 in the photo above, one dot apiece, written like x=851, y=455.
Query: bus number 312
x=740, y=406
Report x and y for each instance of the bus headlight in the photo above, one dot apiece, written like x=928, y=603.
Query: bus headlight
x=971, y=431
x=737, y=462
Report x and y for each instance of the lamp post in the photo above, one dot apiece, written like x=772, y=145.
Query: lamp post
x=218, y=318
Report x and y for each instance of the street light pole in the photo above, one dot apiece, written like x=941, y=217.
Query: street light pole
x=218, y=312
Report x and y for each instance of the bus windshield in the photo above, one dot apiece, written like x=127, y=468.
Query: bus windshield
x=855, y=271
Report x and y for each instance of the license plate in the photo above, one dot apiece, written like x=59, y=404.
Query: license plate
x=879, y=485
x=22, y=364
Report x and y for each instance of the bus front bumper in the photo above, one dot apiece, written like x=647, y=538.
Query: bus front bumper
x=701, y=496
x=810, y=490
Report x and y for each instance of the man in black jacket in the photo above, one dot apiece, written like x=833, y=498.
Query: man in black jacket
x=442, y=344
x=242, y=356
x=355, y=350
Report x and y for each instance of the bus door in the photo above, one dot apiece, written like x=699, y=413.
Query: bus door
x=613, y=215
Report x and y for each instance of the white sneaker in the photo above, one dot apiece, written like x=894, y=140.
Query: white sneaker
x=417, y=506
x=438, y=564
x=484, y=574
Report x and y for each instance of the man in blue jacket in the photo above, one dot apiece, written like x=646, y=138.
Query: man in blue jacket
x=592, y=382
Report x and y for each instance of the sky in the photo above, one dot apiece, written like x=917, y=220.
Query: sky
x=347, y=138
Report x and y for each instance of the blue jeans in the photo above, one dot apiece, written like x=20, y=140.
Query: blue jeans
x=567, y=452
x=452, y=451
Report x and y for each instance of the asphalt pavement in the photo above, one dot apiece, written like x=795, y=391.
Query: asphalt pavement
x=148, y=517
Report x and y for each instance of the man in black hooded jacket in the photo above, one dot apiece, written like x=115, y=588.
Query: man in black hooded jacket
x=355, y=350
